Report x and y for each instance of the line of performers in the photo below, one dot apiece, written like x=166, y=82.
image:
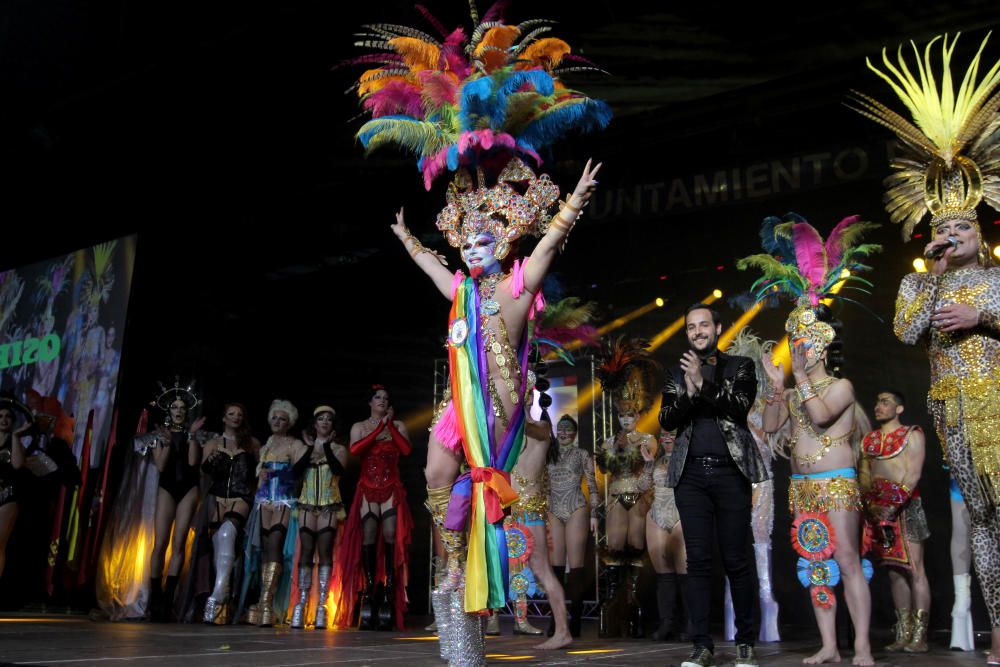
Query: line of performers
x=482, y=104
x=265, y=521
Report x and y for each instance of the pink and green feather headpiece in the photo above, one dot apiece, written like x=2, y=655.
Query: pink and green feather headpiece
x=799, y=264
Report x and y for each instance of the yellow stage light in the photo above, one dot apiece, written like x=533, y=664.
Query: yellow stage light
x=920, y=265
x=659, y=302
x=996, y=251
x=729, y=334
x=717, y=293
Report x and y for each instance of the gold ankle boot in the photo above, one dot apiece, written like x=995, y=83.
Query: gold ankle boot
x=918, y=636
x=904, y=631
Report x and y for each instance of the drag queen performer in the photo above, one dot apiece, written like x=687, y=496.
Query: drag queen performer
x=480, y=104
x=628, y=373
x=11, y=459
x=372, y=562
x=176, y=455
x=320, y=511
x=948, y=164
x=230, y=461
x=282, y=460
x=762, y=520
x=824, y=423
x=665, y=540
x=572, y=516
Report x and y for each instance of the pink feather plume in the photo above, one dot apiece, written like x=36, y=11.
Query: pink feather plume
x=834, y=245
x=810, y=255
x=396, y=97
x=439, y=88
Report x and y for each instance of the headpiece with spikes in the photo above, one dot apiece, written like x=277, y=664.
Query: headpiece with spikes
x=800, y=265
x=949, y=156
x=100, y=276
x=476, y=105
x=166, y=395
x=629, y=373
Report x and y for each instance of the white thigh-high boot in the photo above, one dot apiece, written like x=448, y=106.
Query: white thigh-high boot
x=768, y=605
x=961, y=614
x=224, y=544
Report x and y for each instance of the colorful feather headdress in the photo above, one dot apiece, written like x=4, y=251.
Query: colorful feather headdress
x=799, y=264
x=466, y=104
x=561, y=323
x=100, y=275
x=949, y=156
x=629, y=373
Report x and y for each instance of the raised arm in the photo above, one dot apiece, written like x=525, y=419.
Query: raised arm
x=676, y=404
x=335, y=459
x=915, y=306
x=776, y=408
x=360, y=443
x=431, y=263
x=559, y=228
x=400, y=437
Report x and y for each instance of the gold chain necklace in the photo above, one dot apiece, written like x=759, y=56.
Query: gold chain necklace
x=805, y=425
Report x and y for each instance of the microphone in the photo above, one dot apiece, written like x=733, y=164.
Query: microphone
x=935, y=253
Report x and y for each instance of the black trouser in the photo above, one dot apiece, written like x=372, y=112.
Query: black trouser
x=714, y=499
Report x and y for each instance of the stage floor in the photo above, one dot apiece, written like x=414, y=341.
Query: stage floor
x=79, y=642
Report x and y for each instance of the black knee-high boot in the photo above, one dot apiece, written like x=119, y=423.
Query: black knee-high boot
x=560, y=572
x=609, y=626
x=169, y=591
x=666, y=602
x=386, y=599
x=368, y=608
x=575, y=585
x=155, y=604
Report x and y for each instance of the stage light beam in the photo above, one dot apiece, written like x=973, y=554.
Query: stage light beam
x=919, y=265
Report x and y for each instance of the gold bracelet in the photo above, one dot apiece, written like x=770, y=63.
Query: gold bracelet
x=566, y=204
x=561, y=224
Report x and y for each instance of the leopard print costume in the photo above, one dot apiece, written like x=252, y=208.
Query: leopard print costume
x=964, y=398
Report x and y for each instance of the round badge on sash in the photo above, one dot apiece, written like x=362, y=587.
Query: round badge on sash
x=458, y=332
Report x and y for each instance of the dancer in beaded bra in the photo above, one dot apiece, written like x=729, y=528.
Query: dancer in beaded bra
x=948, y=164
x=572, y=515
x=320, y=512
x=823, y=421
x=628, y=373
x=481, y=104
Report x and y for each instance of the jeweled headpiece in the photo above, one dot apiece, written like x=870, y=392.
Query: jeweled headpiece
x=949, y=159
x=629, y=373
x=184, y=392
x=500, y=210
x=476, y=104
x=800, y=265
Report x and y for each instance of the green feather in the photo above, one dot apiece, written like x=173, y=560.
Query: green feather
x=418, y=136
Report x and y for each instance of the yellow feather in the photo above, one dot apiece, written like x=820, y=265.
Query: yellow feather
x=941, y=114
x=372, y=81
x=547, y=52
x=417, y=54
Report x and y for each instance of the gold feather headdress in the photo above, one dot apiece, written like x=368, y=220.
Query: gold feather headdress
x=949, y=156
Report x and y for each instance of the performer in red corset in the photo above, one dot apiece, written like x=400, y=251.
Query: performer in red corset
x=372, y=561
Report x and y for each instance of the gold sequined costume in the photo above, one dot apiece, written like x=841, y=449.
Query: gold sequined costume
x=947, y=164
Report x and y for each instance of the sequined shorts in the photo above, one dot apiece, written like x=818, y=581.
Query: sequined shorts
x=830, y=491
x=531, y=510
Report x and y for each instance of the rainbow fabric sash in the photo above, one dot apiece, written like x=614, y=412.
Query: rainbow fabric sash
x=480, y=496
